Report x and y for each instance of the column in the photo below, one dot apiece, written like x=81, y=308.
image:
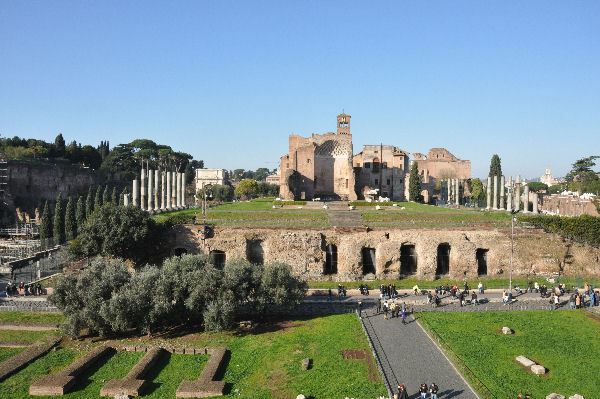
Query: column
x=150, y=189
x=136, y=194
x=510, y=194
x=535, y=203
x=156, y=178
x=125, y=199
x=495, y=203
x=143, y=189
x=526, y=199
x=457, y=199
x=502, y=183
x=518, y=193
x=183, y=189
x=178, y=196
x=174, y=190
x=449, y=190
x=163, y=190
x=489, y=193
x=169, y=190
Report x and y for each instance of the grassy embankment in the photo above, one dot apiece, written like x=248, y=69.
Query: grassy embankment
x=263, y=364
x=566, y=342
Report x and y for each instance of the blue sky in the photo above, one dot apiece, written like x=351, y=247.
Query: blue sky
x=227, y=81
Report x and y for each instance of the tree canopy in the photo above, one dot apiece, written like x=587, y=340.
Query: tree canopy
x=414, y=184
x=246, y=189
x=495, y=166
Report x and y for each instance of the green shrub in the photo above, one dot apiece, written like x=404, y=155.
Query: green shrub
x=584, y=229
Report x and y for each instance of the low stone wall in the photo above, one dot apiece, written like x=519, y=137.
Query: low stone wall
x=20, y=360
x=133, y=383
x=205, y=386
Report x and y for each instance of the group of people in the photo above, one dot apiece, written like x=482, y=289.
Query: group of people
x=432, y=390
x=392, y=307
x=13, y=289
x=388, y=291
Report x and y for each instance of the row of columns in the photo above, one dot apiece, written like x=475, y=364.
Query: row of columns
x=146, y=193
x=453, y=191
x=513, y=198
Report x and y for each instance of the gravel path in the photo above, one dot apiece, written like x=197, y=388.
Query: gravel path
x=408, y=356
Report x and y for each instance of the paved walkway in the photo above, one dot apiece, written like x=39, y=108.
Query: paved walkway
x=408, y=356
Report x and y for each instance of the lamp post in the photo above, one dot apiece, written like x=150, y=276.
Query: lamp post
x=513, y=219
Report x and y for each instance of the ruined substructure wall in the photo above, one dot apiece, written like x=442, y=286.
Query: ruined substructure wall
x=535, y=253
x=30, y=185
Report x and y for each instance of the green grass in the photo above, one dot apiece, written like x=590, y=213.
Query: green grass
x=5, y=353
x=32, y=317
x=409, y=282
x=567, y=343
x=433, y=218
x=258, y=204
x=262, y=364
x=26, y=336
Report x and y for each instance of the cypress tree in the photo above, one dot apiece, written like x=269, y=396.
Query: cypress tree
x=59, y=221
x=495, y=166
x=80, y=215
x=46, y=227
x=106, y=195
x=98, y=200
x=89, y=203
x=414, y=184
x=114, y=199
x=70, y=222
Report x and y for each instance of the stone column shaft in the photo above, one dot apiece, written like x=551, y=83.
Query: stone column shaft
x=163, y=190
x=174, y=190
x=457, y=199
x=150, y=188
x=178, y=196
x=183, y=189
x=136, y=194
x=489, y=193
x=156, y=180
x=495, y=203
x=449, y=190
x=169, y=190
x=510, y=194
x=502, y=183
x=143, y=189
x=518, y=193
x=526, y=199
x=125, y=199
x=535, y=203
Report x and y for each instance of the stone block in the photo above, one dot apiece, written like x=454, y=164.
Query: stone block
x=538, y=369
x=54, y=385
x=305, y=364
x=506, y=330
x=189, y=351
x=555, y=396
x=525, y=361
x=300, y=397
x=576, y=396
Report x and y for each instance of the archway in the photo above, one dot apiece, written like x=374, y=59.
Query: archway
x=330, y=259
x=179, y=251
x=217, y=258
x=408, y=259
x=368, y=260
x=481, y=256
x=254, y=252
x=443, y=259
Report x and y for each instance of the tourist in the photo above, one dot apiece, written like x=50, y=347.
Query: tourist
x=423, y=391
x=466, y=286
x=403, y=316
x=453, y=292
x=536, y=286
x=592, y=298
x=505, y=297
x=518, y=289
x=480, y=287
x=416, y=289
x=556, y=301
x=572, y=301
x=578, y=301
x=393, y=309
x=433, y=390
x=552, y=301
x=359, y=309
x=402, y=392
x=530, y=288
x=385, y=310
x=378, y=305
x=329, y=294
x=339, y=290
x=474, y=299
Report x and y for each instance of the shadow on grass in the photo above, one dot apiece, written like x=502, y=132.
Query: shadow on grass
x=84, y=379
x=162, y=362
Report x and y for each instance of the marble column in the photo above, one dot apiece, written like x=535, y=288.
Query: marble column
x=143, y=189
x=163, y=190
x=526, y=199
x=150, y=188
x=502, y=183
x=169, y=185
x=495, y=203
x=535, y=203
x=510, y=194
x=125, y=199
x=457, y=200
x=178, y=190
x=448, y=190
x=518, y=193
x=156, y=179
x=136, y=194
x=183, y=189
x=174, y=190
x=489, y=193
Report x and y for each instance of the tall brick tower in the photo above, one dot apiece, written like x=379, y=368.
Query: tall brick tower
x=343, y=124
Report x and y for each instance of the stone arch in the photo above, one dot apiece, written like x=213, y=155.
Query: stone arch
x=179, y=251
x=408, y=259
x=368, y=260
x=443, y=259
x=481, y=257
x=217, y=258
x=255, y=252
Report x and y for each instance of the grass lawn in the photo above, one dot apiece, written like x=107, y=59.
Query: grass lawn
x=566, y=342
x=32, y=317
x=263, y=364
x=5, y=353
x=432, y=216
x=410, y=282
x=26, y=336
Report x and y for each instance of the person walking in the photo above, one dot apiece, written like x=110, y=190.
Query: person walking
x=552, y=301
x=404, y=316
x=423, y=391
x=402, y=394
x=433, y=390
x=360, y=309
x=378, y=305
x=480, y=287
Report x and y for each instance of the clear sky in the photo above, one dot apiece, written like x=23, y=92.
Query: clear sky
x=227, y=81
